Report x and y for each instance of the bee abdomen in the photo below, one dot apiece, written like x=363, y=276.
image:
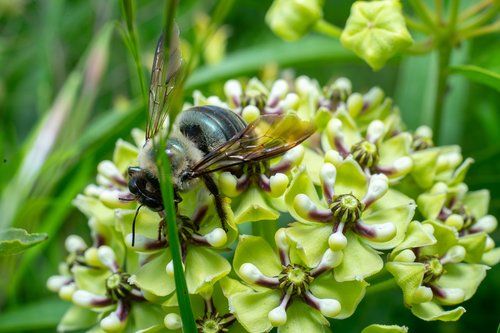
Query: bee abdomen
x=209, y=126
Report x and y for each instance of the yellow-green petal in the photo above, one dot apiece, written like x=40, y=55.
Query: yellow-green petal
x=357, y=252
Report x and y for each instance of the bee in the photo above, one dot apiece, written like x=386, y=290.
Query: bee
x=203, y=140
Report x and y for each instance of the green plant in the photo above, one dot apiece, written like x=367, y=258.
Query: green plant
x=361, y=135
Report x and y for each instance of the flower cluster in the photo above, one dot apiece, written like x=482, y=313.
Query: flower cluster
x=306, y=232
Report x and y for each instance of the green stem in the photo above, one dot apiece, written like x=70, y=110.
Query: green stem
x=422, y=47
x=444, y=54
x=481, y=19
x=473, y=10
x=492, y=28
x=381, y=287
x=416, y=25
x=328, y=29
x=439, y=11
x=424, y=13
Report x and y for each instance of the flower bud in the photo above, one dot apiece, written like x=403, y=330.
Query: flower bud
x=304, y=85
x=250, y=113
x=112, y=323
x=278, y=184
x=375, y=131
x=228, y=184
x=292, y=19
x=307, y=209
x=487, y=223
x=277, y=316
x=278, y=91
x=327, y=306
x=424, y=131
x=490, y=244
x=87, y=299
x=281, y=240
x=377, y=188
x=107, y=257
x=233, y=91
x=328, y=175
x=217, y=237
x=109, y=170
x=337, y=241
x=92, y=258
x=451, y=296
x=66, y=291
x=56, y=282
x=376, y=31
x=74, y=244
x=354, y=104
x=333, y=157
x=405, y=256
x=172, y=321
x=454, y=255
x=93, y=190
x=422, y=294
x=250, y=273
x=329, y=260
x=456, y=221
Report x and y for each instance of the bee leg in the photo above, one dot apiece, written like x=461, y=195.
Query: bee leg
x=219, y=203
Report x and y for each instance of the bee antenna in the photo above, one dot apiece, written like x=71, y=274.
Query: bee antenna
x=133, y=224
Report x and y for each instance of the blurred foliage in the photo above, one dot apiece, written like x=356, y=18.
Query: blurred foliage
x=46, y=57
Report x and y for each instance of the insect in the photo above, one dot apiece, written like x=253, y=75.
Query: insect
x=204, y=139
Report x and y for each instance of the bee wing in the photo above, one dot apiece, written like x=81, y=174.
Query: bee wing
x=265, y=138
x=163, y=77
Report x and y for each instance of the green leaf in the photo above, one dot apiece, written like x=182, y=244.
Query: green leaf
x=14, y=241
x=312, y=50
x=376, y=328
x=31, y=317
x=479, y=75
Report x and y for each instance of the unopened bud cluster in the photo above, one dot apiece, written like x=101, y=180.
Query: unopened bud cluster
x=361, y=195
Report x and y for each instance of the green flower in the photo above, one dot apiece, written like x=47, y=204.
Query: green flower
x=356, y=214
x=257, y=99
x=429, y=268
x=200, y=234
x=374, y=152
x=99, y=288
x=292, y=19
x=435, y=164
x=281, y=290
x=376, y=31
x=210, y=310
x=466, y=212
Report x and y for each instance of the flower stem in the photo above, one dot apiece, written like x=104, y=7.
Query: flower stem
x=381, y=287
x=474, y=9
x=328, y=29
x=444, y=54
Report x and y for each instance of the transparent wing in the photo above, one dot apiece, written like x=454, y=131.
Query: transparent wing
x=265, y=138
x=163, y=77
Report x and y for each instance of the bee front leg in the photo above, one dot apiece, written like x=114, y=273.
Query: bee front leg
x=219, y=203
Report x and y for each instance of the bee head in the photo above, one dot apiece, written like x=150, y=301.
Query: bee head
x=146, y=188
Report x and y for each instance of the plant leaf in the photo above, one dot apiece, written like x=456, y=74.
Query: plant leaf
x=14, y=241
x=31, y=317
x=479, y=75
x=313, y=49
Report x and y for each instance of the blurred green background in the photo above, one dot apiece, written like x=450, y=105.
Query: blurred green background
x=51, y=83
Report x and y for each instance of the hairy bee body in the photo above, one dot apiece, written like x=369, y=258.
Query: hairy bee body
x=197, y=132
